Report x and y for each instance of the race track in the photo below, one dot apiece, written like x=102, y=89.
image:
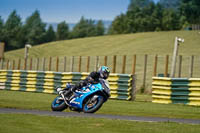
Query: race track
x=74, y=114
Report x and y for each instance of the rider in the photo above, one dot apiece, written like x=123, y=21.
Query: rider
x=93, y=78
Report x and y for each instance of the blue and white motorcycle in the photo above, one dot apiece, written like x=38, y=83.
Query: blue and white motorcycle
x=88, y=100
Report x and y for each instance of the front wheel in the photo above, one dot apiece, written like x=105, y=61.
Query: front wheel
x=58, y=104
x=93, y=103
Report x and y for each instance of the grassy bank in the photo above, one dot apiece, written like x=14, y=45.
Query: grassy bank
x=150, y=43
x=160, y=43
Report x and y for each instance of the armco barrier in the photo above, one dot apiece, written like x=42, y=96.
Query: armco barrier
x=45, y=82
x=176, y=90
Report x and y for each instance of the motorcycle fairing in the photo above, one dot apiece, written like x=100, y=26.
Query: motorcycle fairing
x=77, y=100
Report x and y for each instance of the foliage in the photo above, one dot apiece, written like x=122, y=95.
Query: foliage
x=83, y=28
x=87, y=28
x=138, y=3
x=145, y=15
x=11, y=31
x=172, y=4
x=62, y=31
x=100, y=29
x=50, y=34
x=34, y=29
x=170, y=20
x=1, y=29
x=191, y=10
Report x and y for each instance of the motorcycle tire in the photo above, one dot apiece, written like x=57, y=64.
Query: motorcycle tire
x=95, y=105
x=58, y=105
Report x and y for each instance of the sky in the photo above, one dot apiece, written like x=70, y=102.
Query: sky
x=65, y=10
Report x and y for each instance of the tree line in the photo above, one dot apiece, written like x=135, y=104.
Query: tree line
x=145, y=15
x=141, y=16
x=34, y=31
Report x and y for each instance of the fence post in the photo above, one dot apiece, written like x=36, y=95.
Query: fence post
x=57, y=64
x=7, y=64
x=2, y=62
x=97, y=63
x=72, y=64
x=114, y=63
x=79, y=66
x=31, y=63
x=145, y=70
x=191, y=66
x=124, y=64
x=43, y=64
x=65, y=62
x=105, y=60
x=19, y=64
x=25, y=63
x=134, y=64
x=13, y=65
x=133, y=89
x=179, y=66
x=50, y=60
x=2, y=47
x=166, y=65
x=88, y=64
x=37, y=64
x=155, y=65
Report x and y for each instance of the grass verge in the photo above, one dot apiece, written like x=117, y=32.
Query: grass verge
x=39, y=101
x=19, y=123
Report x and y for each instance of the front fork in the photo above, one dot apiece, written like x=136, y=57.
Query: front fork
x=60, y=92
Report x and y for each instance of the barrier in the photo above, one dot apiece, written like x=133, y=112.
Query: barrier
x=176, y=90
x=46, y=81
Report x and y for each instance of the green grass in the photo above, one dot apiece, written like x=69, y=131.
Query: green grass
x=151, y=43
x=161, y=43
x=39, y=101
x=21, y=123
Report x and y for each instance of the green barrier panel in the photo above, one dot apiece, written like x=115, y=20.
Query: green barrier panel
x=176, y=90
x=47, y=81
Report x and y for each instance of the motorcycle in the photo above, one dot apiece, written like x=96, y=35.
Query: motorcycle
x=89, y=99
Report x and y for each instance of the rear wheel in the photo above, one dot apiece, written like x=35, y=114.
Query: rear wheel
x=93, y=103
x=58, y=104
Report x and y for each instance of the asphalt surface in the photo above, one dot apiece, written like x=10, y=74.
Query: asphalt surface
x=74, y=114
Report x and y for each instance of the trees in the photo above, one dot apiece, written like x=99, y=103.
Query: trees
x=191, y=10
x=138, y=18
x=87, y=28
x=83, y=28
x=119, y=25
x=34, y=29
x=170, y=20
x=145, y=15
x=138, y=3
x=100, y=29
x=1, y=30
x=172, y=4
x=11, y=31
x=50, y=34
x=62, y=31
x=141, y=16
